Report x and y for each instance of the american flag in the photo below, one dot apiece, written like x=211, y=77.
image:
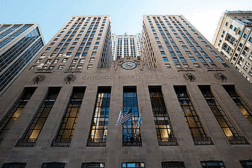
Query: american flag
x=127, y=116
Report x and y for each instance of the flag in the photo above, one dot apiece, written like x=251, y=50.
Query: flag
x=119, y=118
x=139, y=121
x=127, y=116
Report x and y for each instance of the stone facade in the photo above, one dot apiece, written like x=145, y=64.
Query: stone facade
x=150, y=70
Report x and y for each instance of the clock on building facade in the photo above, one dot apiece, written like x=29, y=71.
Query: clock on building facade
x=128, y=65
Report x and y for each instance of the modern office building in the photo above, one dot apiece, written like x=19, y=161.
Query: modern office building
x=19, y=44
x=73, y=107
x=233, y=38
x=126, y=45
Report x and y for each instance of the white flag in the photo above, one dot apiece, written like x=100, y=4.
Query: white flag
x=119, y=118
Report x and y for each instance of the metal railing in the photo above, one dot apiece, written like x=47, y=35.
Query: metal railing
x=203, y=141
x=61, y=142
x=96, y=142
x=237, y=140
x=171, y=141
x=22, y=142
x=132, y=141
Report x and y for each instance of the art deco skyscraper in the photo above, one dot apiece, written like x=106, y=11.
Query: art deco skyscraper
x=126, y=45
x=62, y=111
x=19, y=44
x=233, y=38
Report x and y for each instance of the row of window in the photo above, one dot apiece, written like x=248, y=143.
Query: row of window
x=130, y=128
x=170, y=164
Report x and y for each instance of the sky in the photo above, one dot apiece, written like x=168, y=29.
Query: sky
x=126, y=15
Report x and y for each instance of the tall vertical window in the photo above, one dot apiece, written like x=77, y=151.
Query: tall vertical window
x=163, y=126
x=99, y=126
x=65, y=133
x=31, y=135
x=14, y=165
x=131, y=132
x=93, y=165
x=246, y=163
x=13, y=114
x=212, y=164
x=173, y=164
x=246, y=111
x=224, y=122
x=133, y=165
x=53, y=165
x=192, y=119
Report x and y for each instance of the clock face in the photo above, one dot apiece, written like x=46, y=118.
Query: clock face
x=129, y=65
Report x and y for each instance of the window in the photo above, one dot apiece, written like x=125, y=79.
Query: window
x=156, y=38
x=133, y=165
x=192, y=119
x=158, y=42
x=165, y=59
x=173, y=164
x=163, y=125
x=226, y=23
x=98, y=38
x=223, y=120
x=55, y=39
x=48, y=48
x=82, y=61
x=61, y=67
x=14, y=165
x=188, y=53
x=96, y=43
x=93, y=165
x=15, y=111
x=99, y=126
x=212, y=164
x=239, y=32
x=93, y=53
x=208, y=47
x=65, y=133
x=245, y=36
x=89, y=66
x=203, y=42
x=235, y=29
x=71, y=48
x=53, y=165
x=131, y=133
x=162, y=52
x=181, y=42
x=213, y=52
x=79, y=67
x=192, y=59
x=219, y=59
x=86, y=49
x=84, y=54
x=95, y=47
x=225, y=65
x=91, y=60
x=250, y=39
x=34, y=129
x=64, y=60
x=63, y=49
x=246, y=163
x=52, y=44
x=184, y=47
x=231, y=26
x=245, y=110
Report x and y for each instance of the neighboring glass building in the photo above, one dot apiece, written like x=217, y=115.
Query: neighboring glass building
x=233, y=39
x=19, y=44
x=126, y=45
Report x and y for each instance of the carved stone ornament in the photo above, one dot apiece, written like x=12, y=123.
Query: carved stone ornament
x=220, y=76
x=190, y=77
x=38, y=78
x=69, y=78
